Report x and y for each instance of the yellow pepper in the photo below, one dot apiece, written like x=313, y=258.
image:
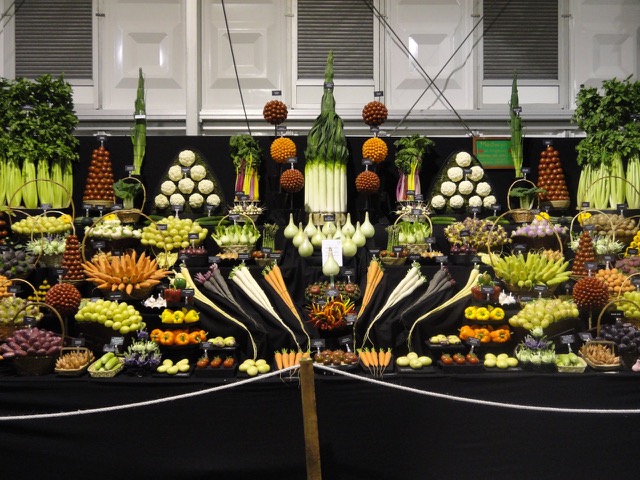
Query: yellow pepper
x=496, y=313
x=470, y=313
x=167, y=316
x=192, y=316
x=178, y=316
x=542, y=216
x=482, y=314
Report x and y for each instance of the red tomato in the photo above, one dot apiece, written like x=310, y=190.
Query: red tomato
x=446, y=359
x=216, y=362
x=228, y=362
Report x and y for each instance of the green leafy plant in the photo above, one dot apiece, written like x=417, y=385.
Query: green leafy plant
x=126, y=191
x=526, y=195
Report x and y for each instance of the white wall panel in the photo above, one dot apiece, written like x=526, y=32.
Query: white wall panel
x=606, y=39
x=258, y=35
x=432, y=32
x=151, y=37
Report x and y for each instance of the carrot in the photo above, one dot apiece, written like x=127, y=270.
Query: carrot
x=292, y=358
x=363, y=358
x=374, y=277
x=387, y=358
x=381, y=356
x=278, y=358
x=298, y=357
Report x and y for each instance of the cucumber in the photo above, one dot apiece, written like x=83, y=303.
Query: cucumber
x=112, y=363
x=98, y=365
x=441, y=220
x=106, y=357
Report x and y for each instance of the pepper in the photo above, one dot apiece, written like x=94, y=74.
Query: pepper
x=167, y=316
x=482, y=314
x=192, y=316
x=483, y=335
x=178, y=316
x=466, y=332
x=501, y=335
x=166, y=338
x=470, y=313
x=496, y=314
x=155, y=335
x=196, y=337
x=172, y=295
x=179, y=283
x=182, y=339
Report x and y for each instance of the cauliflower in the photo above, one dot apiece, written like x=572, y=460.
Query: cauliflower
x=483, y=189
x=456, y=201
x=161, y=201
x=463, y=159
x=475, y=201
x=176, y=199
x=205, y=186
x=465, y=187
x=197, y=173
x=186, y=158
x=213, y=200
x=489, y=201
x=476, y=173
x=438, y=202
x=168, y=187
x=196, y=200
x=448, y=188
x=186, y=186
x=455, y=174
x=175, y=173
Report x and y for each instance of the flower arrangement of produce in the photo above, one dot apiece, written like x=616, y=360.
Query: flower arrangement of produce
x=480, y=234
x=47, y=245
x=539, y=228
x=536, y=350
x=331, y=315
x=246, y=234
x=142, y=354
x=111, y=228
x=409, y=154
x=602, y=245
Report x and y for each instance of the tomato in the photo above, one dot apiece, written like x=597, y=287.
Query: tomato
x=202, y=363
x=228, y=362
x=446, y=359
x=459, y=358
x=472, y=358
x=216, y=362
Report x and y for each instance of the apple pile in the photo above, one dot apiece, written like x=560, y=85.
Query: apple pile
x=254, y=367
x=502, y=361
x=630, y=310
x=414, y=361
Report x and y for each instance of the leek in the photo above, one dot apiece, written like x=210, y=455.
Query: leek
x=516, y=127
x=326, y=155
x=139, y=132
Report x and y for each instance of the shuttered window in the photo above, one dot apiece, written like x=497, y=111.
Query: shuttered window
x=344, y=26
x=53, y=37
x=520, y=35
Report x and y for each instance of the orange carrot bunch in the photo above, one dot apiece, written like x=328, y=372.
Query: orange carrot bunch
x=289, y=358
x=376, y=361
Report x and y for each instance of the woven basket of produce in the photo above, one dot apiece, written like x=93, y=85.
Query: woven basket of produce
x=73, y=361
x=389, y=261
x=95, y=369
x=601, y=355
x=579, y=367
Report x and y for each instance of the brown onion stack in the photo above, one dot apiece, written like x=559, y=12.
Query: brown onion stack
x=590, y=293
x=374, y=113
x=99, y=186
x=367, y=182
x=292, y=180
x=64, y=297
x=275, y=112
x=584, y=253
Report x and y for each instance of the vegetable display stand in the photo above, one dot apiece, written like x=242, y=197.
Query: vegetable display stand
x=8, y=328
x=238, y=248
x=524, y=214
x=129, y=214
x=39, y=364
x=42, y=181
x=417, y=247
x=75, y=372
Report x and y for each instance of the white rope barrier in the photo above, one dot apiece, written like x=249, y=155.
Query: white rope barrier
x=488, y=403
x=293, y=371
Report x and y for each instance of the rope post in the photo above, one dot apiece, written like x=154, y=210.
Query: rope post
x=310, y=419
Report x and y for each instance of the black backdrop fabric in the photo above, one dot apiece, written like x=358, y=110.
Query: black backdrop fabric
x=366, y=431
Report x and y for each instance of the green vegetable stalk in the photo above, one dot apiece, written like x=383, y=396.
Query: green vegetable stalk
x=139, y=132
x=245, y=153
x=409, y=153
x=516, y=127
x=269, y=231
x=326, y=155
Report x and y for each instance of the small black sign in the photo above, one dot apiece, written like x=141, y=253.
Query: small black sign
x=567, y=339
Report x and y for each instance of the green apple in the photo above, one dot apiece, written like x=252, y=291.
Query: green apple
x=263, y=368
x=425, y=361
x=502, y=363
x=415, y=363
x=402, y=361
x=124, y=329
x=116, y=325
x=108, y=323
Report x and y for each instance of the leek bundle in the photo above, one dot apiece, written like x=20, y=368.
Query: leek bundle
x=325, y=171
x=245, y=153
x=139, y=131
x=516, y=127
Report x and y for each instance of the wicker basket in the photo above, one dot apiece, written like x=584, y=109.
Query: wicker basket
x=31, y=365
x=521, y=215
x=107, y=373
x=573, y=368
x=75, y=372
x=605, y=367
x=560, y=204
x=52, y=261
x=393, y=261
